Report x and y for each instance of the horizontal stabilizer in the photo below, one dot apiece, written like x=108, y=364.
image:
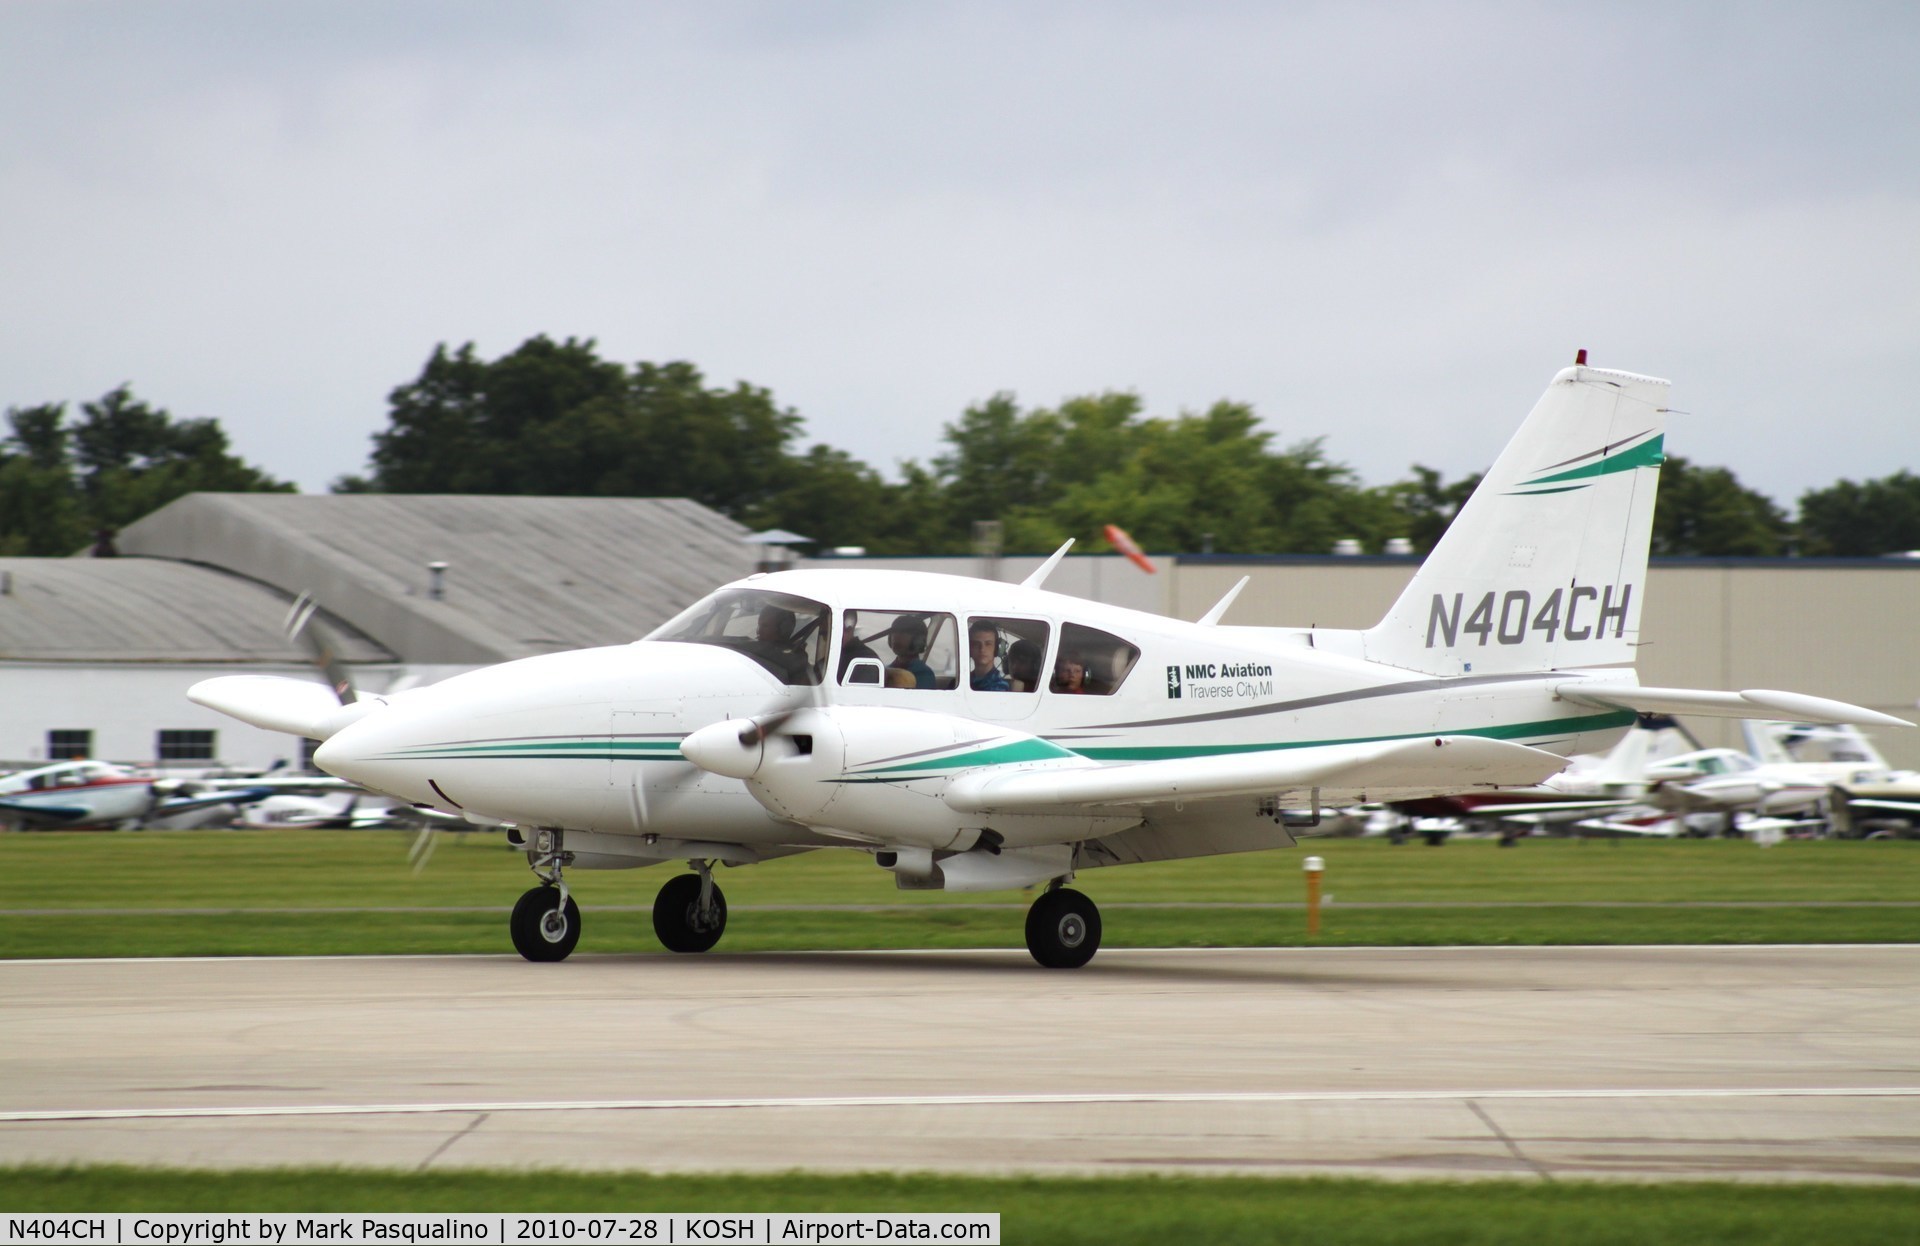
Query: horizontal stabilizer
x=1749, y=703
x=1425, y=764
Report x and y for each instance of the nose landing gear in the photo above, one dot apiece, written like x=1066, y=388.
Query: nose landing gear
x=546, y=922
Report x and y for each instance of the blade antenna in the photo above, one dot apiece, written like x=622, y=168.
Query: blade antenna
x=1212, y=617
x=1039, y=577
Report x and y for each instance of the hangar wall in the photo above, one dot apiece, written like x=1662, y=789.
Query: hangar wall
x=125, y=707
x=1846, y=629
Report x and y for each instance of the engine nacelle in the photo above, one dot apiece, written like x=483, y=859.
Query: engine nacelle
x=881, y=774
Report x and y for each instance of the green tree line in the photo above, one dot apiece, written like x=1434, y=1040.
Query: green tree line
x=554, y=418
x=68, y=484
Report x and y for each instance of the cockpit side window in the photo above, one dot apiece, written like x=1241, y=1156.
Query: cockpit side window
x=1091, y=662
x=787, y=635
x=918, y=650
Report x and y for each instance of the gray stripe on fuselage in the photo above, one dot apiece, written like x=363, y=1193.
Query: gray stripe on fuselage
x=925, y=752
x=1336, y=698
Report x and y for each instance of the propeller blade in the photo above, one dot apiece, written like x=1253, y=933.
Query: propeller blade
x=304, y=627
x=422, y=850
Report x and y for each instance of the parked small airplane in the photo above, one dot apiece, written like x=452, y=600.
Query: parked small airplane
x=1590, y=785
x=97, y=793
x=973, y=735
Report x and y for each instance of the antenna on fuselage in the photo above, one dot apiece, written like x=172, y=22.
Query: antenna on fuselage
x=1045, y=569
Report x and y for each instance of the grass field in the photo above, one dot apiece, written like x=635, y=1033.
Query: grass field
x=1110, y=1210
x=340, y=892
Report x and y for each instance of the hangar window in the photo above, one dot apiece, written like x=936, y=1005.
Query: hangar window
x=69, y=743
x=181, y=745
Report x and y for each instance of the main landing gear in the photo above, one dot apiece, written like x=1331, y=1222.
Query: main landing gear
x=689, y=914
x=1063, y=929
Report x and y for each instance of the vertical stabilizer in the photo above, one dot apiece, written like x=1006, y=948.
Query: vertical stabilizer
x=1545, y=566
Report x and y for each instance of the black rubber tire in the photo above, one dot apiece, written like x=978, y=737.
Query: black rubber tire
x=676, y=918
x=1063, y=929
x=542, y=929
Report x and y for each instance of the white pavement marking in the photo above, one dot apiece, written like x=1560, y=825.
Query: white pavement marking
x=948, y=1101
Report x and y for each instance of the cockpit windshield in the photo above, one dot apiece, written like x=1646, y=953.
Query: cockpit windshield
x=786, y=634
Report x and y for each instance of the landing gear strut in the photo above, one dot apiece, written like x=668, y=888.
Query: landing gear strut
x=690, y=913
x=1063, y=929
x=546, y=922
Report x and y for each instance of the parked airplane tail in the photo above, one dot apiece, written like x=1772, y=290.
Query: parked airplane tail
x=1545, y=566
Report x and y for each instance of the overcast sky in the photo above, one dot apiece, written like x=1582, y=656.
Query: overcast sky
x=1382, y=224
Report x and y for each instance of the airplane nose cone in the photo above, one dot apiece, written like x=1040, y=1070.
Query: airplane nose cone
x=718, y=747
x=341, y=755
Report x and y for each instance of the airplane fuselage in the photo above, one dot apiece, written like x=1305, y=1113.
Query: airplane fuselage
x=588, y=740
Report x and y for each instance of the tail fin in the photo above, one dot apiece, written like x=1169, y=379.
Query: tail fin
x=1545, y=566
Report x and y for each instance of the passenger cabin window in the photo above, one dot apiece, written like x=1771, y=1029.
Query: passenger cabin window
x=1005, y=655
x=787, y=635
x=915, y=650
x=1091, y=662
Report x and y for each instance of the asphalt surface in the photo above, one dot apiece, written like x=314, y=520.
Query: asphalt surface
x=1767, y=1063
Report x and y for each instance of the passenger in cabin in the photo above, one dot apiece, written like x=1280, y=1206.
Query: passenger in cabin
x=983, y=646
x=1070, y=673
x=851, y=646
x=1023, y=665
x=908, y=640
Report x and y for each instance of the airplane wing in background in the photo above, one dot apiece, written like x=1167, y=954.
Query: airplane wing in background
x=1375, y=769
x=54, y=814
x=203, y=800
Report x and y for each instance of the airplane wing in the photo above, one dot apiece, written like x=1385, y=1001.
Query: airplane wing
x=1663, y=829
x=1749, y=703
x=1382, y=769
x=282, y=784
x=1892, y=806
x=202, y=800
x=1543, y=811
x=43, y=813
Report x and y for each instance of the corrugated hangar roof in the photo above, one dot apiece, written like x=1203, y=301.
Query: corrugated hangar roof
x=524, y=575
x=148, y=610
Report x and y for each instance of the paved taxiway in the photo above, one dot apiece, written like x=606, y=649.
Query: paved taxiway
x=1769, y=1062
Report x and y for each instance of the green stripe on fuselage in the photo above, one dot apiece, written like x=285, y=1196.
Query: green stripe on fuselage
x=1000, y=755
x=1546, y=729
x=543, y=750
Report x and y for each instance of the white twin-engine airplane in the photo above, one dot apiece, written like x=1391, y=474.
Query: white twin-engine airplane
x=977, y=736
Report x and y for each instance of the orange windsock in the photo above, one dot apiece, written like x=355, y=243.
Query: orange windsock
x=1118, y=538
